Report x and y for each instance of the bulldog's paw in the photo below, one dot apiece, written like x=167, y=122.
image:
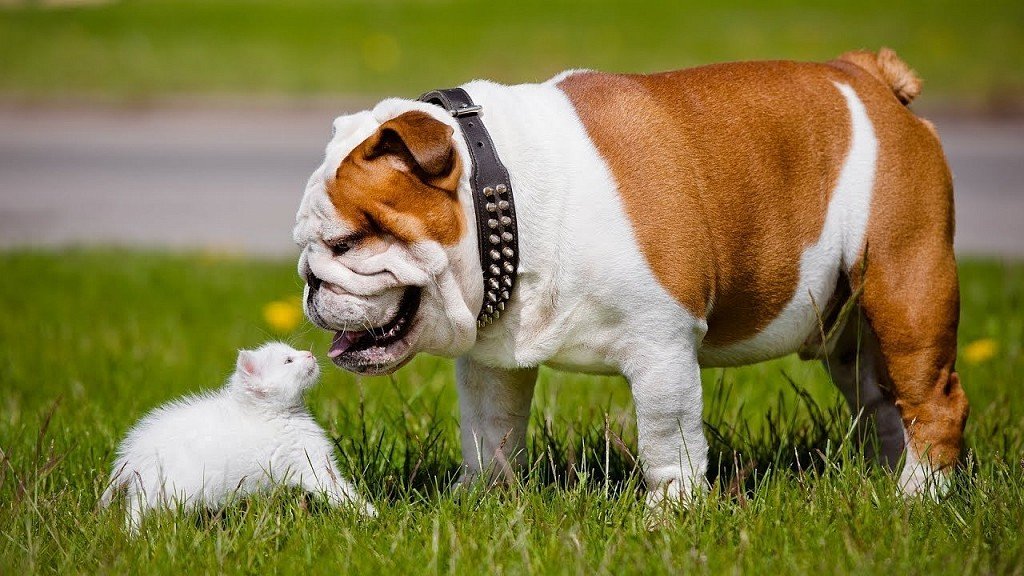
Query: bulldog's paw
x=666, y=500
x=465, y=482
x=919, y=479
x=676, y=492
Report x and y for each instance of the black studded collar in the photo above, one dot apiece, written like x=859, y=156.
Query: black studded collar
x=497, y=235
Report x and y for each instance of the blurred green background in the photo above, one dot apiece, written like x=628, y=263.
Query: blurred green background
x=92, y=338
x=968, y=52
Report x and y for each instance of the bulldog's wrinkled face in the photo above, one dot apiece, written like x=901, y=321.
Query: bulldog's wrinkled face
x=388, y=249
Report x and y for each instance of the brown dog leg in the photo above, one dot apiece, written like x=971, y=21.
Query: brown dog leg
x=912, y=302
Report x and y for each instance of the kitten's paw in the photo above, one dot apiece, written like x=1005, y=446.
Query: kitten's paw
x=366, y=509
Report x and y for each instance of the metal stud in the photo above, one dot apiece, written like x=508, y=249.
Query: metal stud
x=499, y=278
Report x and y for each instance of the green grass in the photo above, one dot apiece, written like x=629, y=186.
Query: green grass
x=972, y=51
x=89, y=341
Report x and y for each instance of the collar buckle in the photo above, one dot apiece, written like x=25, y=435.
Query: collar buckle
x=493, y=204
x=464, y=110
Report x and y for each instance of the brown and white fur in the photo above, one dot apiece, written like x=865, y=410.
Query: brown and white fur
x=667, y=222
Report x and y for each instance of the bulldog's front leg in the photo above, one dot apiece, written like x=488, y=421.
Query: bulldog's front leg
x=673, y=450
x=495, y=406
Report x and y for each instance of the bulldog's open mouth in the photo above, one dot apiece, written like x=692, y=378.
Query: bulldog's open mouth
x=381, y=348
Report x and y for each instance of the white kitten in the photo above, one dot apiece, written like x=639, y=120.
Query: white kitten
x=246, y=437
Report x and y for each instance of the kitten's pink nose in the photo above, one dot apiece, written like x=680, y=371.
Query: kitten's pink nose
x=308, y=354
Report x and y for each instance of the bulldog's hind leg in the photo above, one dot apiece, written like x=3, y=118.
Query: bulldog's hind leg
x=912, y=304
x=495, y=410
x=858, y=370
x=670, y=427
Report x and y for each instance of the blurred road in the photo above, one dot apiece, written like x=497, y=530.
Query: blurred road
x=227, y=178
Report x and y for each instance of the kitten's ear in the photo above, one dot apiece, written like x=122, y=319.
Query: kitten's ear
x=247, y=365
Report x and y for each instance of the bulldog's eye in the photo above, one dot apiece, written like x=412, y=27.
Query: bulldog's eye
x=344, y=245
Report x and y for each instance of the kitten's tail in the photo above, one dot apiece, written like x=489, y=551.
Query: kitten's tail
x=114, y=485
x=108, y=496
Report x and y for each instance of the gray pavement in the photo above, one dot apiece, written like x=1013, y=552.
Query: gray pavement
x=228, y=178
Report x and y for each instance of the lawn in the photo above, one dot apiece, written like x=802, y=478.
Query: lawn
x=90, y=340
x=966, y=51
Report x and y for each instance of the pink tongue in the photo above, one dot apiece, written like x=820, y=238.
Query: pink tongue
x=342, y=341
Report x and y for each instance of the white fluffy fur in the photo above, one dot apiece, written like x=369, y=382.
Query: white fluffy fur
x=586, y=299
x=248, y=436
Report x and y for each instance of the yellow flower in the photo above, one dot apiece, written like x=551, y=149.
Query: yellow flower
x=283, y=316
x=980, y=350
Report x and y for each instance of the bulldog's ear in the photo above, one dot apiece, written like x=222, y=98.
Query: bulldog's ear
x=421, y=143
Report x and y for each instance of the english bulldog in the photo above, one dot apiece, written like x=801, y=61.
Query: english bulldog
x=715, y=216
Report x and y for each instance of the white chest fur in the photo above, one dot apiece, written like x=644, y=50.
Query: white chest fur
x=586, y=293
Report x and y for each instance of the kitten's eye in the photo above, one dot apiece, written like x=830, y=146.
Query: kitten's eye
x=287, y=360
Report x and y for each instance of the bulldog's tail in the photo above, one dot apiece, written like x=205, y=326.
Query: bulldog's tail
x=887, y=67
